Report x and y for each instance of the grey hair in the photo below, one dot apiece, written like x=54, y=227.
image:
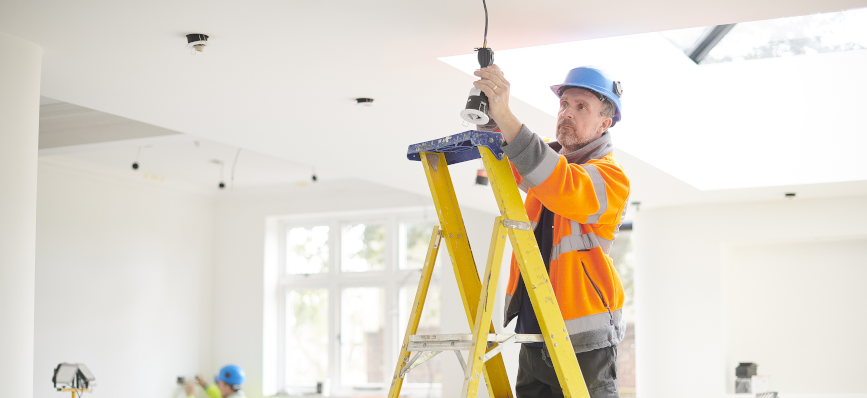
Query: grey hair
x=607, y=108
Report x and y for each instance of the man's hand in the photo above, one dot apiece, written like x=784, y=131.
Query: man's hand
x=494, y=84
x=201, y=380
x=190, y=389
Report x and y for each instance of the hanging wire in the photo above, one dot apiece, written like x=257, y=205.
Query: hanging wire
x=235, y=163
x=485, y=43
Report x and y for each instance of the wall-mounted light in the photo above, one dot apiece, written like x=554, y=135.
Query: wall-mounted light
x=364, y=102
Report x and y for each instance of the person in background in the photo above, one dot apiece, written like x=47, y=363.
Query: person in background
x=228, y=383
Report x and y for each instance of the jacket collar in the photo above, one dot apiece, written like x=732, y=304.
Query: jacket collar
x=597, y=149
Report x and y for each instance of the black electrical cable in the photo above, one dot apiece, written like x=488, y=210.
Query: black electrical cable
x=485, y=43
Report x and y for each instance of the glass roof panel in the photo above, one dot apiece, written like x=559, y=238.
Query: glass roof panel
x=784, y=37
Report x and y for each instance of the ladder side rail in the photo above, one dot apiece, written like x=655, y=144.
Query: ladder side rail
x=417, y=307
x=479, y=346
x=535, y=277
x=457, y=243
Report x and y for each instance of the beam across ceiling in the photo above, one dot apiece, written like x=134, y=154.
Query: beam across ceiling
x=709, y=42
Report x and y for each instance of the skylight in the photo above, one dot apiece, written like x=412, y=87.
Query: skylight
x=783, y=37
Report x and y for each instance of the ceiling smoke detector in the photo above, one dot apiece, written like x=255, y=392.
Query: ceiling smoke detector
x=196, y=42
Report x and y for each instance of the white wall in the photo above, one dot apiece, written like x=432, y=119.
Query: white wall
x=796, y=309
x=690, y=260
x=123, y=282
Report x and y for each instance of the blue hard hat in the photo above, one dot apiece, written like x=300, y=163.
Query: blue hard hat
x=232, y=375
x=596, y=80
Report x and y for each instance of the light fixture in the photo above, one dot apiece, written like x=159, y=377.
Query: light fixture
x=75, y=376
x=364, y=102
x=196, y=42
x=790, y=195
x=476, y=108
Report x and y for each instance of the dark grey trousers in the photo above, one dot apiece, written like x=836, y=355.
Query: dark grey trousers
x=536, y=379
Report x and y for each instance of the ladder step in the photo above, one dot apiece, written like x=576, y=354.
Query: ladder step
x=463, y=341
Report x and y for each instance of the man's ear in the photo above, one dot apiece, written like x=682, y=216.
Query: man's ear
x=606, y=124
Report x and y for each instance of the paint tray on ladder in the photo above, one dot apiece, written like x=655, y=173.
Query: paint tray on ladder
x=459, y=147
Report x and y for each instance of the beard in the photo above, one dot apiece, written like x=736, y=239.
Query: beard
x=567, y=136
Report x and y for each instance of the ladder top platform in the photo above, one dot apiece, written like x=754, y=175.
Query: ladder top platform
x=459, y=147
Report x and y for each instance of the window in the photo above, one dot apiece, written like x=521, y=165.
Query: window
x=346, y=287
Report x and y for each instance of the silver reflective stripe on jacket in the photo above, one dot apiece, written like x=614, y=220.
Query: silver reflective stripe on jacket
x=591, y=322
x=543, y=170
x=599, y=188
x=579, y=242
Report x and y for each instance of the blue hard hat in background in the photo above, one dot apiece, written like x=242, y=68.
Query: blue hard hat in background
x=596, y=80
x=232, y=375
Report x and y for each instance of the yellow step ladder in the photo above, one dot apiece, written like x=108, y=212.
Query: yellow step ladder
x=484, y=345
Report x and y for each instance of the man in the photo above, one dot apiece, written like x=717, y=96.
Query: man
x=228, y=381
x=576, y=199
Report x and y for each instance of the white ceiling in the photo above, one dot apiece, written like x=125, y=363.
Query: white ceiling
x=280, y=76
x=90, y=140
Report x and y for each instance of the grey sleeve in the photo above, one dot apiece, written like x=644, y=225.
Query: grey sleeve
x=532, y=157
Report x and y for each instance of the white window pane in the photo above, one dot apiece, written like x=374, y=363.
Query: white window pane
x=361, y=335
x=307, y=250
x=428, y=372
x=414, y=240
x=306, y=337
x=363, y=248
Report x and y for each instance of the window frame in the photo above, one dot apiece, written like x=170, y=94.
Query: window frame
x=391, y=279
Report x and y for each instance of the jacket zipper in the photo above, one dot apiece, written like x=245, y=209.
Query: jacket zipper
x=598, y=292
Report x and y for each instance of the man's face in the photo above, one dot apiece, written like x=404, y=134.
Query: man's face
x=579, y=121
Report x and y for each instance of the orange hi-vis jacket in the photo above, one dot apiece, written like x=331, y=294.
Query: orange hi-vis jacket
x=587, y=191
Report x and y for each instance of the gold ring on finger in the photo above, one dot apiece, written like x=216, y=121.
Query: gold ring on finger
x=496, y=87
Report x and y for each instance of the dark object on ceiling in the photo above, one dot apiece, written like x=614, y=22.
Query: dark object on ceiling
x=702, y=49
x=746, y=369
